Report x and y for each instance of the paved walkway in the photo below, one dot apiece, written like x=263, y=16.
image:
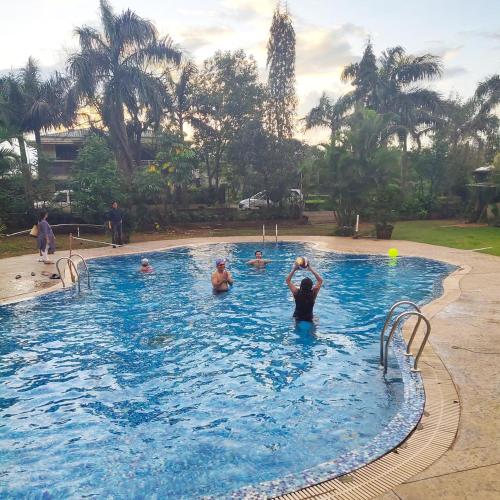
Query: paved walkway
x=465, y=334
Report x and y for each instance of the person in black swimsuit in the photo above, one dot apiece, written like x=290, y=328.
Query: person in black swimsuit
x=305, y=295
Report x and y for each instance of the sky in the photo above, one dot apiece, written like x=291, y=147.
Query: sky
x=330, y=34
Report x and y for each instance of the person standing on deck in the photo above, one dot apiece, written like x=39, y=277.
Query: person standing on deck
x=115, y=224
x=45, y=239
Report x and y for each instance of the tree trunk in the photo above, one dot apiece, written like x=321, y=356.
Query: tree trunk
x=181, y=125
x=209, y=171
x=404, y=161
x=120, y=143
x=26, y=172
x=42, y=166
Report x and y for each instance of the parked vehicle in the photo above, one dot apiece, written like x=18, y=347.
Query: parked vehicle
x=261, y=200
x=61, y=200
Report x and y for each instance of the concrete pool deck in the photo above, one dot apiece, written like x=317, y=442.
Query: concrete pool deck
x=465, y=337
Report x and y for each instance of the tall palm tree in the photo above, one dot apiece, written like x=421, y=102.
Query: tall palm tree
x=114, y=72
x=392, y=86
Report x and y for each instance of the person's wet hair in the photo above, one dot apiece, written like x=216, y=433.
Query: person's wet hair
x=306, y=284
x=257, y=251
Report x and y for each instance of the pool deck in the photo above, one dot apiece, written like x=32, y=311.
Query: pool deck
x=465, y=337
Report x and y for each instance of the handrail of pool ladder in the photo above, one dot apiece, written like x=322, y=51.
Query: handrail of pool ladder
x=85, y=265
x=388, y=319
x=70, y=263
x=403, y=317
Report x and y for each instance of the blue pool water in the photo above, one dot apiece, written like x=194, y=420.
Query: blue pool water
x=152, y=385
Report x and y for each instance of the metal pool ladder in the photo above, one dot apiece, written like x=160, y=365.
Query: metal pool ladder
x=72, y=267
x=384, y=351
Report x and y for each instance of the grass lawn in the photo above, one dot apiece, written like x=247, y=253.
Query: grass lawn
x=449, y=234
x=444, y=233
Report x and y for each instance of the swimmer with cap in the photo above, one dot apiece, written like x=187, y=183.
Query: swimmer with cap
x=145, y=267
x=258, y=261
x=221, y=278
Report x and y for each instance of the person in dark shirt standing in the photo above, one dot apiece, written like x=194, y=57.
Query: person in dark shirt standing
x=115, y=223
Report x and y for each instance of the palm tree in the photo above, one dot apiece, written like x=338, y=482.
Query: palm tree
x=44, y=102
x=469, y=123
x=488, y=93
x=364, y=77
x=13, y=111
x=392, y=87
x=329, y=114
x=358, y=163
x=33, y=105
x=8, y=156
x=114, y=72
x=181, y=93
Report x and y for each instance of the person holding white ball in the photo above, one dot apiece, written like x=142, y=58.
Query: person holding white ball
x=305, y=295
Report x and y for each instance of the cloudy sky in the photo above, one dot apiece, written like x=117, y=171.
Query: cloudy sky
x=330, y=34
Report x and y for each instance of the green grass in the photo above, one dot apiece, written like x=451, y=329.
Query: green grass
x=466, y=237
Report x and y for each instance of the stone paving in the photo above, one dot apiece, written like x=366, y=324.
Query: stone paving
x=465, y=334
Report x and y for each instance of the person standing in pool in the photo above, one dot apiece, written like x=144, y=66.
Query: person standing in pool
x=258, y=261
x=305, y=295
x=221, y=277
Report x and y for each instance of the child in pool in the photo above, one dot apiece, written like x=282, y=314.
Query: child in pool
x=145, y=267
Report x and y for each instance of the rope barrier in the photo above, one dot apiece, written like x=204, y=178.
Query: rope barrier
x=26, y=231
x=96, y=241
x=233, y=259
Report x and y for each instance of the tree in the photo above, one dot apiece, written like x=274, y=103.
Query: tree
x=392, y=87
x=364, y=78
x=281, y=98
x=358, y=164
x=13, y=110
x=329, y=114
x=181, y=93
x=259, y=166
x=96, y=179
x=227, y=96
x=488, y=93
x=177, y=162
x=8, y=157
x=113, y=72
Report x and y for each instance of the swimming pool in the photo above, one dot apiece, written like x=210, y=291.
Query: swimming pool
x=150, y=384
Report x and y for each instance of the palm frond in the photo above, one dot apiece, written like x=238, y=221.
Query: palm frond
x=89, y=38
x=412, y=69
x=163, y=50
x=349, y=72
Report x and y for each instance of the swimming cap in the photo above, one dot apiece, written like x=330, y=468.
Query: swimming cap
x=218, y=262
x=144, y=262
